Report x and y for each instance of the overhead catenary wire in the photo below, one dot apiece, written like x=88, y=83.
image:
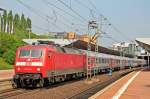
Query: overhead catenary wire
x=107, y=24
x=40, y=28
x=46, y=16
x=90, y=9
x=36, y=12
x=62, y=16
x=51, y=4
x=110, y=37
x=73, y=10
x=20, y=30
x=112, y=25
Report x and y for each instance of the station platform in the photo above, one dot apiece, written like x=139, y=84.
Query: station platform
x=6, y=74
x=135, y=85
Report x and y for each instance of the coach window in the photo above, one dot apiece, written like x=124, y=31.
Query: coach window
x=102, y=60
x=106, y=60
x=99, y=60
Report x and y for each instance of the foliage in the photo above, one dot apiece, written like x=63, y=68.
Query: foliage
x=9, y=56
x=8, y=46
x=10, y=22
x=4, y=65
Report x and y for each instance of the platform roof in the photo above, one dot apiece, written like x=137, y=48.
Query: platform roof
x=144, y=43
x=83, y=45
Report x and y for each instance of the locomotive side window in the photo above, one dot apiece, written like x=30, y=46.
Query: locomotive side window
x=24, y=53
x=36, y=53
x=69, y=51
x=59, y=49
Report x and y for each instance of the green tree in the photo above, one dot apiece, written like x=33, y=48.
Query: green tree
x=0, y=23
x=10, y=21
x=5, y=20
x=29, y=23
x=23, y=23
x=16, y=22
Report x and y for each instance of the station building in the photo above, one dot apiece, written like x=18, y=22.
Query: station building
x=145, y=44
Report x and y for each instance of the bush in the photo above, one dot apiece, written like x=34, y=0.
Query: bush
x=8, y=46
x=9, y=56
x=4, y=65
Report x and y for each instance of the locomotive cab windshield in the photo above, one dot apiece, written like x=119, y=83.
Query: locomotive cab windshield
x=30, y=57
x=30, y=53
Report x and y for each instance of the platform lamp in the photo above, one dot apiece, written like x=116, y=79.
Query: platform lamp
x=29, y=32
x=1, y=21
x=121, y=51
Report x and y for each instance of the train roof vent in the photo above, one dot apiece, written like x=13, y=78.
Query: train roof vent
x=45, y=42
x=40, y=42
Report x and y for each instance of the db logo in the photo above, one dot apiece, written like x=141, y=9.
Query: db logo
x=28, y=63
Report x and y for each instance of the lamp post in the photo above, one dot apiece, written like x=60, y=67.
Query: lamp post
x=121, y=52
x=29, y=32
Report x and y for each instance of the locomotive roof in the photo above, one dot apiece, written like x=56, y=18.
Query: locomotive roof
x=54, y=48
x=35, y=46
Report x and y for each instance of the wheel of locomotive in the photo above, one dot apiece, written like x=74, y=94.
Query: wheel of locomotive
x=15, y=84
x=46, y=82
x=40, y=83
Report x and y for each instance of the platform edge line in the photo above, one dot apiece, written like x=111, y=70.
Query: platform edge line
x=124, y=87
x=106, y=88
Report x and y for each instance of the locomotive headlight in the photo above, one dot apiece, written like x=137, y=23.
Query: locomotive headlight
x=38, y=69
x=18, y=68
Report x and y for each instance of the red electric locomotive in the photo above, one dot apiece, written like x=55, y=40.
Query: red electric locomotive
x=37, y=65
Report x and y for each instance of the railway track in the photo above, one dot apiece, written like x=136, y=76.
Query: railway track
x=7, y=91
x=4, y=81
x=5, y=88
x=85, y=94
x=5, y=85
x=16, y=92
x=59, y=89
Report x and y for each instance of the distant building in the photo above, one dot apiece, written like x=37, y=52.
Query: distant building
x=128, y=48
x=145, y=44
x=59, y=35
x=86, y=38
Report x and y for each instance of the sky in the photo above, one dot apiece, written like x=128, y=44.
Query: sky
x=129, y=19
